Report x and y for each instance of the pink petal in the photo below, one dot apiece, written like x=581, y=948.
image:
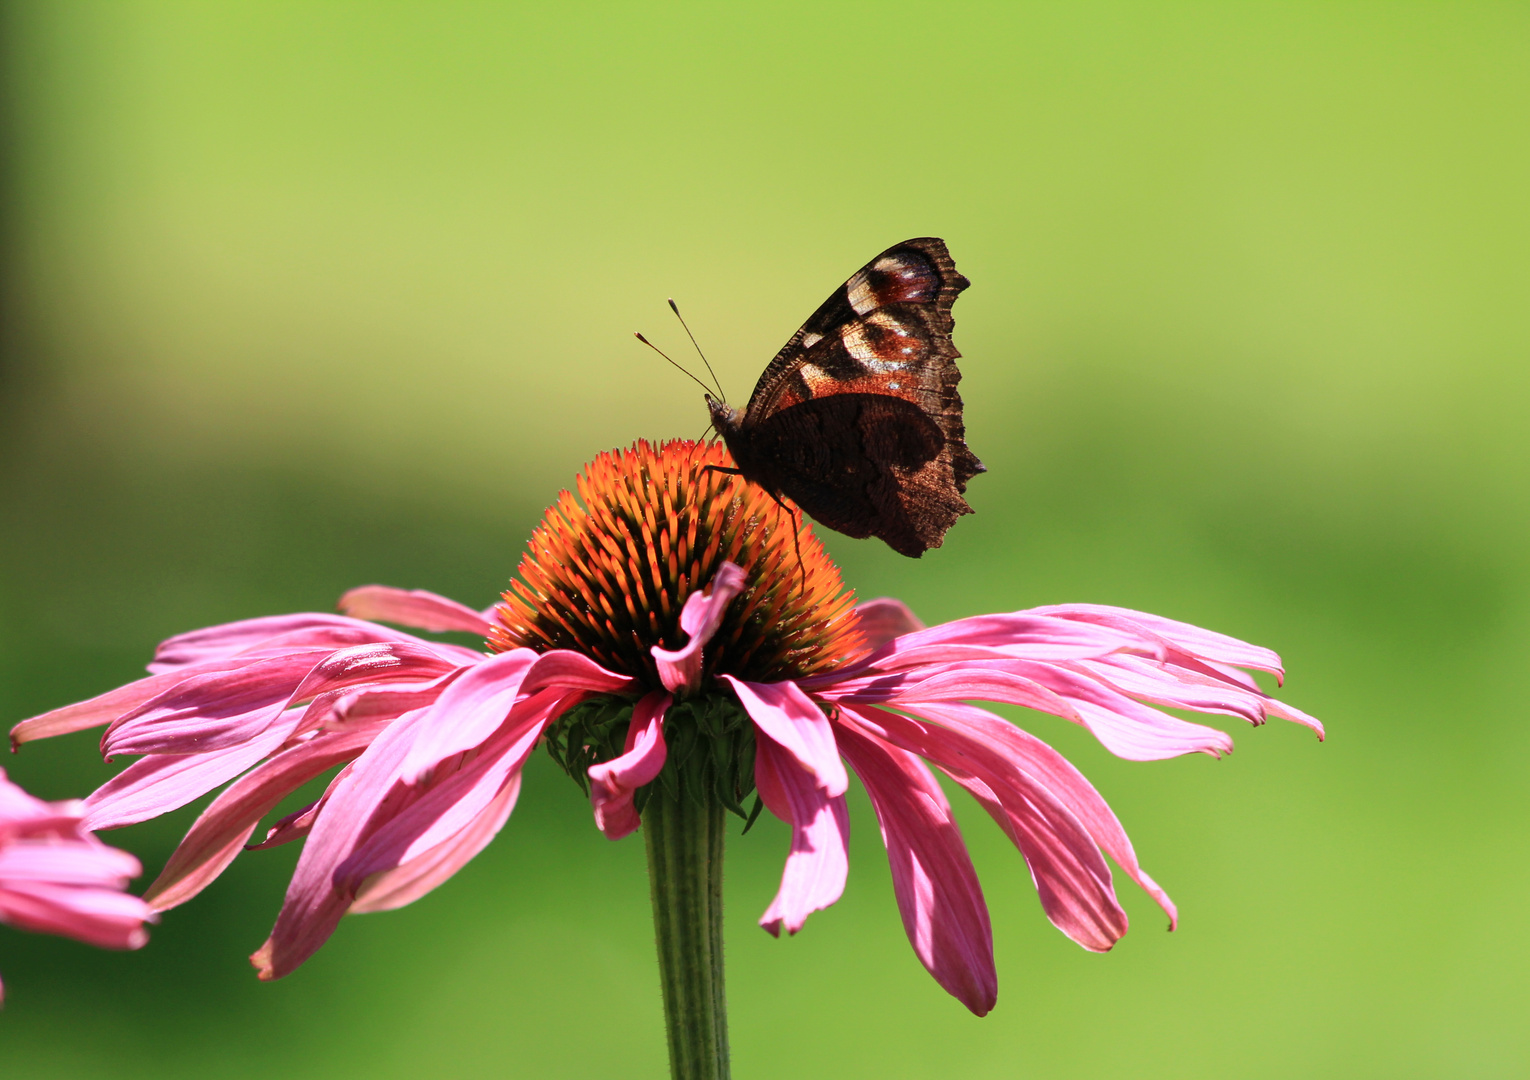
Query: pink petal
x=73, y=861
x=1024, y=634
x=883, y=619
x=1070, y=875
x=220, y=832
x=212, y=710
x=413, y=607
x=937, y=889
x=680, y=669
x=407, y=883
x=94, y=712
x=357, y=804
x=783, y=713
x=1218, y=648
x=613, y=783
x=105, y=918
x=160, y=783
x=469, y=710
x=818, y=863
x=218, y=710
x=288, y=632
x=452, y=800
x=1064, y=781
x=1200, y=688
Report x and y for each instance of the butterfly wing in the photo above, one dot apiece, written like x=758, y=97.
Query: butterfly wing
x=858, y=418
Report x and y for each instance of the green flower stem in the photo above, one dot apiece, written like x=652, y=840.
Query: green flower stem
x=685, y=868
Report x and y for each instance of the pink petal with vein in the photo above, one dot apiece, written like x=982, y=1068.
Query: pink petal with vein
x=818, y=863
x=613, y=783
x=937, y=889
x=783, y=713
x=220, y=832
x=413, y=607
x=1069, y=873
x=680, y=669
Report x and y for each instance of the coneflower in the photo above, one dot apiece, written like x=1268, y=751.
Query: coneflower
x=684, y=648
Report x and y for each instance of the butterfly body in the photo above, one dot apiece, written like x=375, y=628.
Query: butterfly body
x=857, y=419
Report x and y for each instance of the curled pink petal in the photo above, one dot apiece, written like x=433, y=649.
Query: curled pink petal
x=937, y=889
x=680, y=669
x=413, y=607
x=794, y=721
x=818, y=863
x=885, y=618
x=614, y=782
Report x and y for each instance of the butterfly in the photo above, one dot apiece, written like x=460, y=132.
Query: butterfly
x=857, y=419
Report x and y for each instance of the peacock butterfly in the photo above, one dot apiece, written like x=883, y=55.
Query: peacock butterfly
x=857, y=419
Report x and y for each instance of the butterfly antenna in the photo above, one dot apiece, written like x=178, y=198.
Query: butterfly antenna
x=664, y=354
x=675, y=308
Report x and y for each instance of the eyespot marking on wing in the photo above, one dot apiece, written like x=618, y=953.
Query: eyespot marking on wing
x=899, y=278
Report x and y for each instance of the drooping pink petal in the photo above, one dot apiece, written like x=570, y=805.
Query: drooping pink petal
x=413, y=607
x=159, y=783
x=786, y=715
x=613, y=783
x=218, y=835
x=374, y=820
x=451, y=801
x=1064, y=781
x=680, y=669
x=407, y=883
x=1201, y=688
x=365, y=797
x=1070, y=875
x=937, y=889
x=885, y=618
x=818, y=863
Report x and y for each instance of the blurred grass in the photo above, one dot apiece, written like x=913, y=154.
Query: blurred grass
x=307, y=295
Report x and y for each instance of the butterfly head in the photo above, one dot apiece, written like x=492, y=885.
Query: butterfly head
x=725, y=417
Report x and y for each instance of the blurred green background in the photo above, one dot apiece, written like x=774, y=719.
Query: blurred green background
x=305, y=295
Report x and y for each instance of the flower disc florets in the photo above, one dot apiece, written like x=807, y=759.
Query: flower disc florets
x=607, y=574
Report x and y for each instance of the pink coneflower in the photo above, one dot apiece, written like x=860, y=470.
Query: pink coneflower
x=679, y=644
x=56, y=878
